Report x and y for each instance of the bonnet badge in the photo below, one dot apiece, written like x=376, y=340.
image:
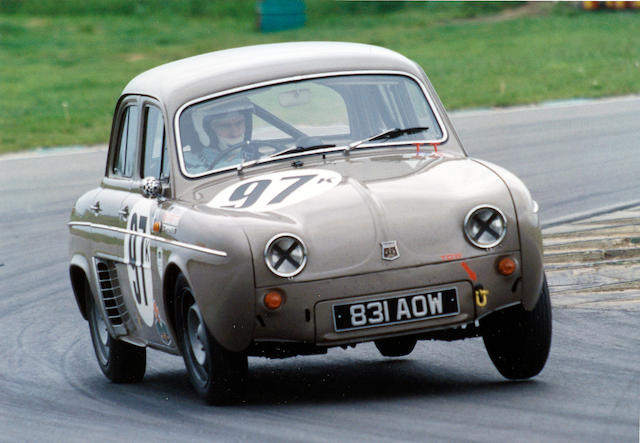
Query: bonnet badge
x=390, y=250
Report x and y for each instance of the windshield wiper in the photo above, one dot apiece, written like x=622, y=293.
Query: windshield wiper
x=301, y=149
x=246, y=164
x=388, y=134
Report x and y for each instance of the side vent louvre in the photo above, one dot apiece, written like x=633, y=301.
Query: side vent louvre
x=111, y=295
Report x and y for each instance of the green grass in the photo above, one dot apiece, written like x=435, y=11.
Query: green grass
x=64, y=63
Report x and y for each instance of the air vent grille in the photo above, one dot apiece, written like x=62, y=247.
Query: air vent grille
x=110, y=293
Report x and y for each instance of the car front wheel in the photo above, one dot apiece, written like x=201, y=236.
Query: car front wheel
x=120, y=362
x=518, y=341
x=217, y=375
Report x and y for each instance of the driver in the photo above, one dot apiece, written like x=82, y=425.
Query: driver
x=228, y=129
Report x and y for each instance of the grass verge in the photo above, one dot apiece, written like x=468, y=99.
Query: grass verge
x=61, y=70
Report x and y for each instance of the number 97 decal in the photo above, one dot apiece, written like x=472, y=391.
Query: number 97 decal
x=273, y=191
x=137, y=256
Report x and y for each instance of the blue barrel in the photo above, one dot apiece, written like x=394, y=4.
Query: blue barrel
x=278, y=15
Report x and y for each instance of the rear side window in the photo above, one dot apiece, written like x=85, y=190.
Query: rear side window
x=127, y=150
x=155, y=162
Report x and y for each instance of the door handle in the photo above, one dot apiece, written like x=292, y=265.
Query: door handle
x=95, y=208
x=124, y=213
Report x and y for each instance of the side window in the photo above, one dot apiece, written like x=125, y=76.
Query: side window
x=155, y=159
x=127, y=151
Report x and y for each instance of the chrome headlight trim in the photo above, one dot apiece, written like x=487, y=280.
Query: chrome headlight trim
x=485, y=226
x=285, y=255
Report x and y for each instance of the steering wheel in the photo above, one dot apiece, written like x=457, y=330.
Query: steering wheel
x=250, y=150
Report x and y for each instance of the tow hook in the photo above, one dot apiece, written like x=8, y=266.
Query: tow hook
x=480, y=295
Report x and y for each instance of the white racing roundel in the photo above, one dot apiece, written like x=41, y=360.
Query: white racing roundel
x=137, y=256
x=273, y=191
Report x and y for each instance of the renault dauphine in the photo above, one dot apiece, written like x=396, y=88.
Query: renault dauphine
x=283, y=199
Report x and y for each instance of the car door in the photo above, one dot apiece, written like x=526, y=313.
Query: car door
x=142, y=254
x=111, y=215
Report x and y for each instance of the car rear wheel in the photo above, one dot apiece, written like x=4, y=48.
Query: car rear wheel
x=518, y=341
x=120, y=362
x=217, y=375
x=396, y=346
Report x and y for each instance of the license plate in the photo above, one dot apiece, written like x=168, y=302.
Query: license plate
x=398, y=309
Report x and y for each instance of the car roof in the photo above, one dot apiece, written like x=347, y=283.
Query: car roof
x=181, y=81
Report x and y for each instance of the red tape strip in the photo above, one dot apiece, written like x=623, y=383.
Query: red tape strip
x=472, y=275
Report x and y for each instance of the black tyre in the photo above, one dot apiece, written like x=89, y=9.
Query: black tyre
x=119, y=361
x=217, y=375
x=518, y=341
x=396, y=346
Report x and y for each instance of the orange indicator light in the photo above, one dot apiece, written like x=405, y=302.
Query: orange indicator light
x=506, y=266
x=156, y=226
x=273, y=299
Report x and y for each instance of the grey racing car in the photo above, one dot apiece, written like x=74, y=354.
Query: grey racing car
x=283, y=199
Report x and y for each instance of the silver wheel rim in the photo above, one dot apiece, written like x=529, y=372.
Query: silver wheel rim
x=101, y=334
x=197, y=335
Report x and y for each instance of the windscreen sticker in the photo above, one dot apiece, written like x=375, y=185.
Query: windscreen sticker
x=137, y=256
x=273, y=191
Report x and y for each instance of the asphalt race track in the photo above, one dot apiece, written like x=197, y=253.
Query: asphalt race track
x=576, y=158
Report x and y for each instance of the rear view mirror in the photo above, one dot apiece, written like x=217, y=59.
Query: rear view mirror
x=295, y=97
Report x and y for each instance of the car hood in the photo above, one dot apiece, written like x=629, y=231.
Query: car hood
x=345, y=210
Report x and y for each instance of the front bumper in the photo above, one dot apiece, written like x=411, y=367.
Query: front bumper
x=306, y=315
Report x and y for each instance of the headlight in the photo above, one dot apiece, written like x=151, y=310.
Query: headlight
x=285, y=255
x=485, y=226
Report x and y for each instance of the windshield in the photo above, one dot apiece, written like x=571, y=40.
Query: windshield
x=317, y=113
